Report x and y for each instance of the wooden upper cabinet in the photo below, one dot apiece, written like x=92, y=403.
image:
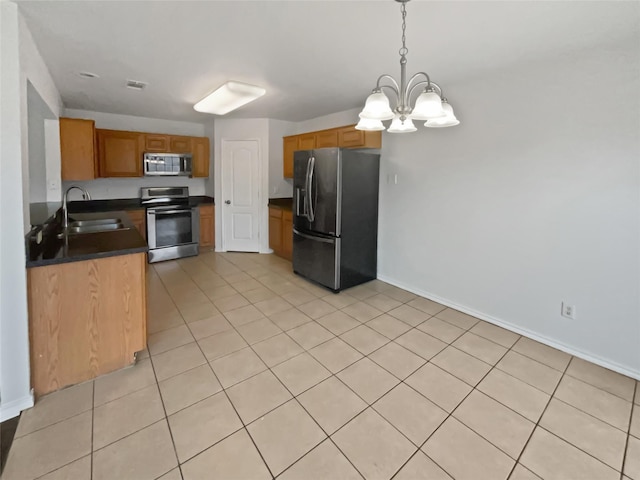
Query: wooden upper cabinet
x=289, y=145
x=346, y=137
x=326, y=138
x=154, y=142
x=120, y=153
x=180, y=144
x=306, y=141
x=349, y=137
x=200, y=158
x=77, y=149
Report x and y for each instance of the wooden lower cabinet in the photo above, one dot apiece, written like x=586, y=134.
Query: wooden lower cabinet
x=287, y=234
x=275, y=230
x=281, y=232
x=207, y=226
x=139, y=220
x=86, y=319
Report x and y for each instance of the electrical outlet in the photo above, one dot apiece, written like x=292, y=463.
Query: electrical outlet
x=568, y=311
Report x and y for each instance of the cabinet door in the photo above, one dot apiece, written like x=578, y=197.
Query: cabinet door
x=156, y=143
x=275, y=230
x=119, y=153
x=350, y=137
x=289, y=145
x=200, y=159
x=180, y=144
x=77, y=149
x=327, y=138
x=307, y=141
x=287, y=234
x=139, y=220
x=207, y=222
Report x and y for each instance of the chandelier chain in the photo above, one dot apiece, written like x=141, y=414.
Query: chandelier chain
x=404, y=50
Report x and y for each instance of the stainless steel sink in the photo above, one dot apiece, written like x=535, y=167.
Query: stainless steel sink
x=79, y=227
x=95, y=222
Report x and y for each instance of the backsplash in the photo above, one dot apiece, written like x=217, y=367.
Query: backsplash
x=109, y=188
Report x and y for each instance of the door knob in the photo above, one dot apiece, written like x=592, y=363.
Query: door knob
x=228, y=202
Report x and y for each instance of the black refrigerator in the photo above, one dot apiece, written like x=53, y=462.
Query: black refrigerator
x=335, y=216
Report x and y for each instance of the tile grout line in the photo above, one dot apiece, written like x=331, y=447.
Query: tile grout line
x=626, y=444
x=450, y=415
x=93, y=415
x=244, y=426
x=537, y=423
x=295, y=397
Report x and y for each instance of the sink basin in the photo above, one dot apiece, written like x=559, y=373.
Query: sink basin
x=78, y=227
x=95, y=222
x=95, y=228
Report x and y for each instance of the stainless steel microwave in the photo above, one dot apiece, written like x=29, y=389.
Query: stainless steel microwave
x=166, y=164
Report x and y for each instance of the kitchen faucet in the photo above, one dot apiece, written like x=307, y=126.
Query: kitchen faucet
x=65, y=211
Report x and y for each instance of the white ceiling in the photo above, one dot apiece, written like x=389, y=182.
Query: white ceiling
x=313, y=57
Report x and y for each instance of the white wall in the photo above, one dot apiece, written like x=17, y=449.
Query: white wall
x=20, y=63
x=531, y=201
x=32, y=71
x=38, y=112
x=106, y=188
x=243, y=129
x=279, y=187
x=339, y=119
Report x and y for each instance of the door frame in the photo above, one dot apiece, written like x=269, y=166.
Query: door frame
x=261, y=211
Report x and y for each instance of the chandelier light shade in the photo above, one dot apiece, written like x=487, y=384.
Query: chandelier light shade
x=430, y=104
x=370, y=125
x=448, y=120
x=398, y=125
x=228, y=97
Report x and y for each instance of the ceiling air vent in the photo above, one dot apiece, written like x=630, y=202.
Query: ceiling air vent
x=87, y=75
x=136, y=85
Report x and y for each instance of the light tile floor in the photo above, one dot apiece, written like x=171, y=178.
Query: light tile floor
x=253, y=372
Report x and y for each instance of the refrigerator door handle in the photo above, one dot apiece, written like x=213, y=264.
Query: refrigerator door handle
x=305, y=211
x=312, y=214
x=312, y=237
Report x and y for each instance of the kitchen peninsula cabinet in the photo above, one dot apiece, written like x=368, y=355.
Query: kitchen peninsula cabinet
x=120, y=153
x=86, y=318
x=207, y=225
x=347, y=137
x=78, y=149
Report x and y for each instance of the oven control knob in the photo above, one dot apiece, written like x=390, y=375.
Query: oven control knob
x=228, y=202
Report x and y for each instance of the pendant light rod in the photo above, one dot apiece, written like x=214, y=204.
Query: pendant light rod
x=429, y=105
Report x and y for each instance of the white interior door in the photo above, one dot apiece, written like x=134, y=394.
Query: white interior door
x=240, y=198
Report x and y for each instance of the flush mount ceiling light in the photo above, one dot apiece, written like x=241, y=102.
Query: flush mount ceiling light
x=228, y=97
x=430, y=105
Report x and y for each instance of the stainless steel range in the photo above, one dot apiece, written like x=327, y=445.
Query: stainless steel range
x=173, y=227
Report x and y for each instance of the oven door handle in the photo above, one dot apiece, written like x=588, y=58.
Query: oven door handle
x=168, y=212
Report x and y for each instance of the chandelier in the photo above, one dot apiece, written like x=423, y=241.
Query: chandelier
x=430, y=105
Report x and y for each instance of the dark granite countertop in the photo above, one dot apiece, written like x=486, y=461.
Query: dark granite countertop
x=87, y=246
x=125, y=204
x=284, y=203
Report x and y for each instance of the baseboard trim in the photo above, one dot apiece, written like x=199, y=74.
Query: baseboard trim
x=13, y=408
x=603, y=362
